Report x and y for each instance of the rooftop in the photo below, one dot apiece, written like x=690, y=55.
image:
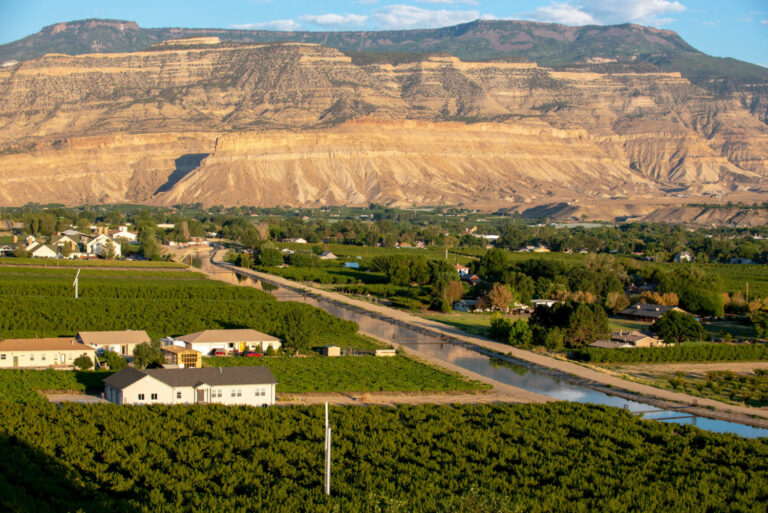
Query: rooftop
x=241, y=335
x=42, y=344
x=214, y=376
x=114, y=337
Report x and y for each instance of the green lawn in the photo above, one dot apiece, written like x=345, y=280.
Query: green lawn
x=618, y=324
x=474, y=323
x=353, y=374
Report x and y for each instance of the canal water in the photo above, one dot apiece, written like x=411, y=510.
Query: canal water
x=500, y=370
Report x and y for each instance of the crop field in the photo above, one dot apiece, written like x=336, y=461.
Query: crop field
x=22, y=385
x=353, y=374
x=558, y=457
x=66, y=262
x=736, y=277
x=688, y=352
x=40, y=302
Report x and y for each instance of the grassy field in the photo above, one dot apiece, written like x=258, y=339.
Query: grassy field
x=618, y=324
x=473, y=323
x=353, y=374
x=736, y=277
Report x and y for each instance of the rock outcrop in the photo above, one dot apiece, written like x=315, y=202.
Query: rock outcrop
x=303, y=124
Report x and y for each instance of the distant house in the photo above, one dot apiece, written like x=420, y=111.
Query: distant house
x=465, y=305
x=327, y=255
x=295, y=241
x=647, y=312
x=741, y=261
x=629, y=340
x=252, y=386
x=237, y=340
x=7, y=250
x=121, y=342
x=42, y=251
x=549, y=303
x=97, y=246
x=472, y=280
x=351, y=265
x=42, y=352
x=182, y=357
x=683, y=256
x=462, y=270
x=420, y=244
x=123, y=234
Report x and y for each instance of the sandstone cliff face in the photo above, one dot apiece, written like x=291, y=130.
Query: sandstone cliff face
x=301, y=124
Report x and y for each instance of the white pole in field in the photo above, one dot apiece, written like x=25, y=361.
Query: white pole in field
x=327, y=453
x=75, y=284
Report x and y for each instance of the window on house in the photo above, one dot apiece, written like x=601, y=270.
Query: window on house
x=31, y=358
x=153, y=397
x=2, y=357
x=178, y=395
x=233, y=392
x=260, y=392
x=239, y=392
x=141, y=397
x=42, y=357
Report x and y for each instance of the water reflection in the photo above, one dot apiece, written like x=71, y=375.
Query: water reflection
x=500, y=370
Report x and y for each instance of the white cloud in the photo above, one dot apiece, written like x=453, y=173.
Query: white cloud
x=710, y=23
x=607, y=12
x=763, y=22
x=335, y=20
x=449, y=2
x=409, y=16
x=562, y=13
x=283, y=25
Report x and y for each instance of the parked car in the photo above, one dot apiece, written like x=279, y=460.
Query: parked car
x=219, y=352
x=253, y=354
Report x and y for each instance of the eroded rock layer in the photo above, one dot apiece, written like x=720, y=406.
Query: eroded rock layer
x=302, y=124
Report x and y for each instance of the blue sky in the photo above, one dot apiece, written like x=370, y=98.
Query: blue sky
x=735, y=28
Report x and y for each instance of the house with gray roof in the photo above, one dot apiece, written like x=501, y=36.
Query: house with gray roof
x=251, y=386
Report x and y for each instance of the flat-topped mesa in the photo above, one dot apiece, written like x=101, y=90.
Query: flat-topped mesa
x=186, y=42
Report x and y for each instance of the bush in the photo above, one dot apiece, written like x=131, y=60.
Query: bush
x=114, y=361
x=696, y=352
x=83, y=362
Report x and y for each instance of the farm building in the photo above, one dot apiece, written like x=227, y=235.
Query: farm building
x=121, y=342
x=252, y=386
x=182, y=357
x=647, y=312
x=238, y=340
x=42, y=352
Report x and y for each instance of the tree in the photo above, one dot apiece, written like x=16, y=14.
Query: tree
x=674, y=326
x=586, y=323
x=520, y=333
x=500, y=296
x=616, y=302
x=270, y=256
x=114, y=361
x=20, y=251
x=147, y=355
x=83, y=362
x=108, y=250
x=759, y=320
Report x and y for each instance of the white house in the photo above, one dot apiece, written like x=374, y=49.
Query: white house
x=121, y=342
x=252, y=386
x=98, y=244
x=683, y=256
x=238, y=340
x=124, y=234
x=42, y=352
x=42, y=251
x=327, y=255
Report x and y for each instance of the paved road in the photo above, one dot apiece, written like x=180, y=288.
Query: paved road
x=568, y=367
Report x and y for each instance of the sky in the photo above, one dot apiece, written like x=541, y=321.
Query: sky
x=733, y=28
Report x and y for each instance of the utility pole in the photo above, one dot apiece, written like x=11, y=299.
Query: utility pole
x=327, y=453
x=747, y=292
x=75, y=283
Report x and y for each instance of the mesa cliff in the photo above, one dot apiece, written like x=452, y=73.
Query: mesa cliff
x=303, y=124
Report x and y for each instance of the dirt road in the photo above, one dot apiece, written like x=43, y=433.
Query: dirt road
x=586, y=376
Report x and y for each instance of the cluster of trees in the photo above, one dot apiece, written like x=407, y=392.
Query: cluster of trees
x=570, y=457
